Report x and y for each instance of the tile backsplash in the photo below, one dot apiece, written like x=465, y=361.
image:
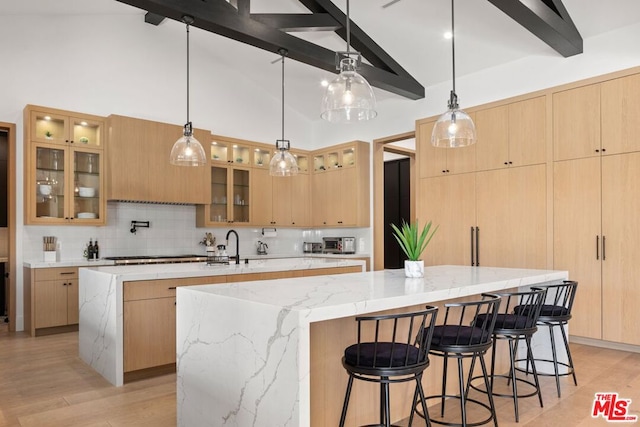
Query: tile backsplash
x=172, y=231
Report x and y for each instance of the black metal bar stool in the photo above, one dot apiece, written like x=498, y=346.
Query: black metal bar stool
x=460, y=337
x=556, y=312
x=390, y=349
x=516, y=321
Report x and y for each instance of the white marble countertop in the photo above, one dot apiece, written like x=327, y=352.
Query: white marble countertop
x=80, y=262
x=259, y=335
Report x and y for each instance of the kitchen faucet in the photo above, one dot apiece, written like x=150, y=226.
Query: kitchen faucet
x=237, y=257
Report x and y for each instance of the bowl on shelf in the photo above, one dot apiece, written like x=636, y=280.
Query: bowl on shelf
x=86, y=191
x=45, y=189
x=87, y=215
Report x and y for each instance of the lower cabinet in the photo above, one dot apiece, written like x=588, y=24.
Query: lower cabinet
x=150, y=317
x=51, y=300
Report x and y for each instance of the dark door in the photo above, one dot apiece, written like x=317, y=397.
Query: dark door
x=397, y=207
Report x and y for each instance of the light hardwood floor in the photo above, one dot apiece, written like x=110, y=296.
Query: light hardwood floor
x=43, y=382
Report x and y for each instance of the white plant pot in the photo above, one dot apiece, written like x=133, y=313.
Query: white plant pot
x=414, y=268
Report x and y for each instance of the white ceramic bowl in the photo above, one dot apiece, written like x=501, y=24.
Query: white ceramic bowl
x=86, y=191
x=87, y=215
x=45, y=189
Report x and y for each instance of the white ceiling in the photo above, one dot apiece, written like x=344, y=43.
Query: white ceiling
x=411, y=31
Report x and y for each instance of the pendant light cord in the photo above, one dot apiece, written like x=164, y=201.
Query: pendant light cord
x=348, y=30
x=187, y=71
x=283, y=53
x=453, y=46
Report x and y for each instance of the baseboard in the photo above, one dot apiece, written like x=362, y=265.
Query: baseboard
x=605, y=344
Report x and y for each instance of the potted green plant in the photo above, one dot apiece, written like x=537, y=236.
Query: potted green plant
x=413, y=242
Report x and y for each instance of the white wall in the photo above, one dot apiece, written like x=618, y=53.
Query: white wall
x=104, y=64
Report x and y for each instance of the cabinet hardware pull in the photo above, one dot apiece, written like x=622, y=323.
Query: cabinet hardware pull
x=171, y=287
x=70, y=284
x=506, y=163
x=447, y=170
x=597, y=151
x=64, y=284
x=472, y=254
x=67, y=272
x=510, y=163
x=604, y=249
x=604, y=149
x=597, y=247
x=477, y=246
x=444, y=171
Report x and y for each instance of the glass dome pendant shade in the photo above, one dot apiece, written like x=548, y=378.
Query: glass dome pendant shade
x=454, y=128
x=187, y=151
x=349, y=97
x=283, y=163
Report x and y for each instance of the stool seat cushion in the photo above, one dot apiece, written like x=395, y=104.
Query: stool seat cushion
x=382, y=355
x=448, y=335
x=510, y=321
x=547, y=310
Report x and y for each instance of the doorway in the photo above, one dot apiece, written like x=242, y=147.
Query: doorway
x=397, y=208
x=404, y=145
x=8, y=223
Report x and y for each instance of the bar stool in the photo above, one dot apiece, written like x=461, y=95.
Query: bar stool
x=519, y=324
x=556, y=312
x=390, y=349
x=460, y=337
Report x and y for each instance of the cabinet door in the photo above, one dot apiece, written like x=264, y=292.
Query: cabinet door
x=85, y=132
x=432, y=160
x=73, y=311
x=47, y=202
x=320, y=201
x=527, y=132
x=49, y=128
x=576, y=227
x=345, y=184
x=576, y=123
x=262, y=197
x=620, y=112
x=621, y=228
x=300, y=200
x=492, y=198
x=88, y=203
x=50, y=303
x=281, y=199
x=492, y=128
x=450, y=203
x=149, y=333
x=241, y=195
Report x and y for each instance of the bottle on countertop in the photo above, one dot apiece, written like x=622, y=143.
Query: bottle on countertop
x=96, y=250
x=90, y=250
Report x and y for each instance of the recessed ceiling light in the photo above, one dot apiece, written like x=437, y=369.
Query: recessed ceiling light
x=324, y=83
x=84, y=123
x=47, y=117
x=448, y=35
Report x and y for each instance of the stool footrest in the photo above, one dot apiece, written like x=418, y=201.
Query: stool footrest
x=468, y=400
x=570, y=369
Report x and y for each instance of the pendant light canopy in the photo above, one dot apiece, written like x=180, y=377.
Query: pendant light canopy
x=283, y=163
x=187, y=151
x=349, y=97
x=454, y=128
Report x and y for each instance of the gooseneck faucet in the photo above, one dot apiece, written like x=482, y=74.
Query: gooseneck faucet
x=237, y=257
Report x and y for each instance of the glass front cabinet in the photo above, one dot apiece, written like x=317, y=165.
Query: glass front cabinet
x=64, y=179
x=230, y=198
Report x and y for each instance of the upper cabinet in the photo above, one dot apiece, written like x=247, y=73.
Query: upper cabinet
x=511, y=135
x=64, y=164
x=436, y=161
x=225, y=150
x=230, y=192
x=620, y=110
x=138, y=167
x=576, y=123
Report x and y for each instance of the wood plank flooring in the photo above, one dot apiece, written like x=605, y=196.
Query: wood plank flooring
x=43, y=382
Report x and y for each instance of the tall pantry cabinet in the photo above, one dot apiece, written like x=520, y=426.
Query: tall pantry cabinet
x=596, y=204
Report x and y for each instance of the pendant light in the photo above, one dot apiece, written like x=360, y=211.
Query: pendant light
x=283, y=163
x=454, y=128
x=187, y=151
x=349, y=97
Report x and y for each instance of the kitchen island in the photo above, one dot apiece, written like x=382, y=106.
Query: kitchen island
x=252, y=355
x=103, y=294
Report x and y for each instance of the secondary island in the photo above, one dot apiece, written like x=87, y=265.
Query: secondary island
x=252, y=354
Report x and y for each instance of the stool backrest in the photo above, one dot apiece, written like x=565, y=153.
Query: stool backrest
x=458, y=333
x=520, y=309
x=559, y=301
x=383, y=340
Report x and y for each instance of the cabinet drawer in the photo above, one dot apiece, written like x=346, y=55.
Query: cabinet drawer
x=55, y=273
x=146, y=289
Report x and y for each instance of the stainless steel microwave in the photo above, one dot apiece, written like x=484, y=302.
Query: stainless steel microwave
x=339, y=245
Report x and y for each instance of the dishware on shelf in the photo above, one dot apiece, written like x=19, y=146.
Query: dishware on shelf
x=45, y=189
x=87, y=215
x=86, y=192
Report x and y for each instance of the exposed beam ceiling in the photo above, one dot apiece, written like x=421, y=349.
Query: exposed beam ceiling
x=547, y=20
x=269, y=32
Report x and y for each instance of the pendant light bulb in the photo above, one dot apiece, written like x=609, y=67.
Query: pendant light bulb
x=455, y=128
x=187, y=151
x=349, y=97
x=283, y=163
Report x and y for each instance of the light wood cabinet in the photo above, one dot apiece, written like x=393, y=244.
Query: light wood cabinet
x=435, y=161
x=511, y=135
x=576, y=123
x=231, y=197
x=595, y=215
x=280, y=201
x=340, y=188
x=232, y=151
x=51, y=300
x=64, y=164
x=138, y=167
x=620, y=109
